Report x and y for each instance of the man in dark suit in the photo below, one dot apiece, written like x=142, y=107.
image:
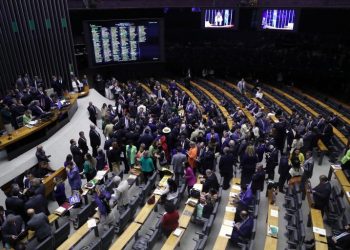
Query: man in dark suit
x=77, y=154
x=92, y=112
x=321, y=193
x=41, y=155
x=211, y=181
x=95, y=140
x=82, y=144
x=14, y=204
x=11, y=229
x=226, y=167
x=40, y=224
x=341, y=240
x=146, y=138
x=38, y=202
x=36, y=109
x=242, y=229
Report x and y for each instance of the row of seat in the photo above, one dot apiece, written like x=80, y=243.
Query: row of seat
x=294, y=217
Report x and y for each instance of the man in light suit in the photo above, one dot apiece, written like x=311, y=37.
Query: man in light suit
x=95, y=140
x=40, y=224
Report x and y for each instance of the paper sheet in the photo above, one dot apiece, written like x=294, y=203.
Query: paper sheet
x=348, y=194
x=91, y=223
x=320, y=231
x=274, y=213
x=177, y=232
x=233, y=194
x=230, y=209
x=236, y=187
x=229, y=223
x=225, y=231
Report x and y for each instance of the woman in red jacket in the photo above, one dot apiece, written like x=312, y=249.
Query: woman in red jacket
x=170, y=220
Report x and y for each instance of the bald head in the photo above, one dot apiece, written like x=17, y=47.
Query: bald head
x=30, y=212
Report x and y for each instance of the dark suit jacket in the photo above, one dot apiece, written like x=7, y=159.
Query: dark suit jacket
x=83, y=145
x=244, y=231
x=38, y=202
x=40, y=224
x=9, y=229
x=77, y=154
x=95, y=139
x=321, y=195
x=92, y=111
x=226, y=164
x=211, y=182
x=15, y=206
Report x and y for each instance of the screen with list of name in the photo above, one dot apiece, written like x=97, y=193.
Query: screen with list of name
x=122, y=41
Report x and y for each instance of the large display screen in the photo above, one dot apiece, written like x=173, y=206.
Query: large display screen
x=122, y=41
x=219, y=18
x=278, y=19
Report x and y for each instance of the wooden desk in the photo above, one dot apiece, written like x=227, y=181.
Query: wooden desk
x=346, y=189
x=274, y=100
x=274, y=119
x=251, y=119
x=145, y=87
x=217, y=102
x=322, y=104
x=186, y=215
x=260, y=104
x=25, y=138
x=193, y=97
x=222, y=241
x=77, y=236
x=126, y=236
x=85, y=91
x=165, y=89
x=48, y=181
x=321, y=245
x=339, y=174
x=317, y=221
x=337, y=133
x=146, y=210
x=24, y=131
x=272, y=220
x=173, y=241
x=270, y=243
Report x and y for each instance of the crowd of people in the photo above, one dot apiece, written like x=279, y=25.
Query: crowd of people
x=31, y=99
x=168, y=132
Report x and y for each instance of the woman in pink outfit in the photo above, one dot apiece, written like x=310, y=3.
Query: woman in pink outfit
x=190, y=177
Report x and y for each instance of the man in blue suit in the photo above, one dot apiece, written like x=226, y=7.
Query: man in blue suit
x=242, y=229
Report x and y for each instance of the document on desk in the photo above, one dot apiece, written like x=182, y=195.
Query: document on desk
x=348, y=194
x=274, y=213
x=336, y=167
x=225, y=231
x=320, y=231
x=91, y=223
x=236, y=187
x=230, y=209
x=177, y=232
x=229, y=223
x=158, y=191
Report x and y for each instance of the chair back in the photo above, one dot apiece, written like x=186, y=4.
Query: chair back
x=62, y=234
